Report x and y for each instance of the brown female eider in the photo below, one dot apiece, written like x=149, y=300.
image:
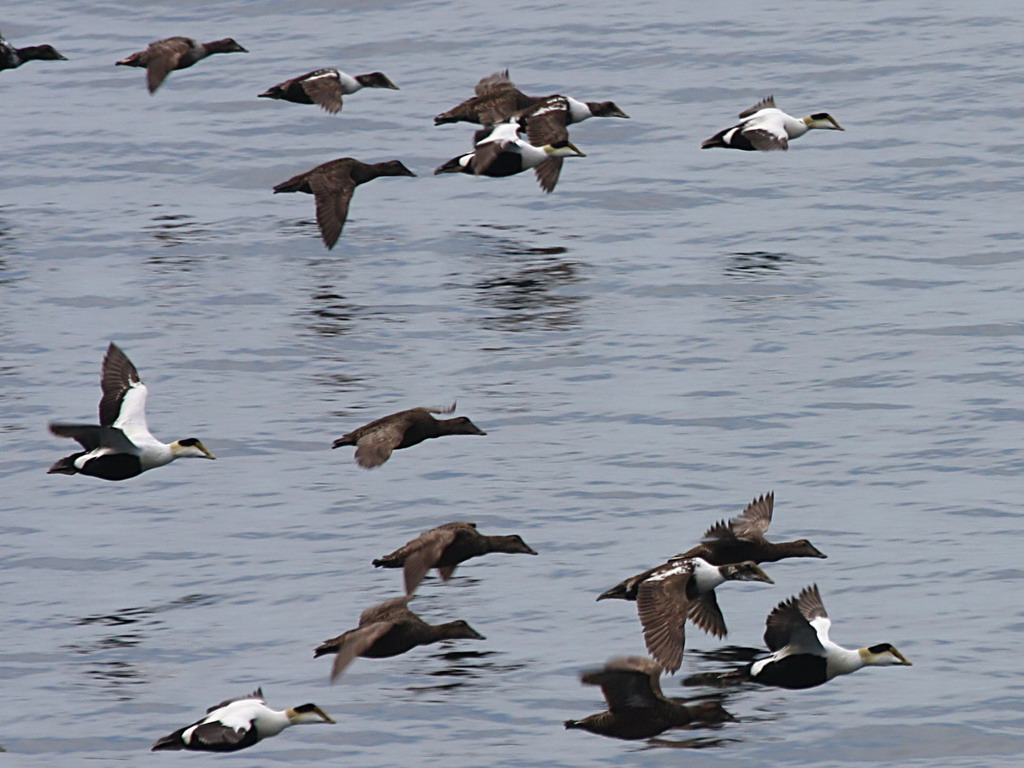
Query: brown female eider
x=637, y=709
x=332, y=185
x=375, y=441
x=742, y=538
x=163, y=56
x=444, y=548
x=389, y=629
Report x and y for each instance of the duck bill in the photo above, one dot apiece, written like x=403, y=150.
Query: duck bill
x=575, y=149
x=903, y=659
x=838, y=127
x=756, y=574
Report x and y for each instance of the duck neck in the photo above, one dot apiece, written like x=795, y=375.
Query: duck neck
x=705, y=576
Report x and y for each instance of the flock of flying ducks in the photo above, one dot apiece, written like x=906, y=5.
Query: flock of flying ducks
x=668, y=595
x=518, y=133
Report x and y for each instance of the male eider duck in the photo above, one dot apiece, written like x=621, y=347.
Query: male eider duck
x=162, y=56
x=325, y=87
x=389, y=629
x=121, y=445
x=239, y=723
x=765, y=128
x=444, y=548
x=332, y=185
x=502, y=153
x=637, y=709
x=685, y=591
x=796, y=631
x=375, y=441
x=12, y=58
x=546, y=124
x=742, y=538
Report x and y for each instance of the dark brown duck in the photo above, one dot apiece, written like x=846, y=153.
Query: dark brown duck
x=164, y=56
x=332, y=185
x=12, y=58
x=375, y=441
x=736, y=541
x=444, y=548
x=637, y=709
x=389, y=629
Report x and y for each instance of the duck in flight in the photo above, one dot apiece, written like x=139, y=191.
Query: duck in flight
x=376, y=441
x=764, y=127
x=803, y=656
x=239, y=723
x=325, y=87
x=12, y=58
x=389, y=629
x=120, y=446
x=444, y=548
x=332, y=185
x=164, y=56
x=502, y=152
x=637, y=709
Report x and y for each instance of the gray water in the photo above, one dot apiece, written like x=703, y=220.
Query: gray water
x=669, y=334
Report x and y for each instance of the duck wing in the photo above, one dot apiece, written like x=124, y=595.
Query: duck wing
x=355, y=641
x=765, y=103
x=705, y=613
x=752, y=523
x=628, y=682
x=91, y=437
x=376, y=445
x=788, y=625
x=124, y=395
x=332, y=201
x=423, y=554
x=324, y=89
x=162, y=57
x=256, y=695
x=663, y=607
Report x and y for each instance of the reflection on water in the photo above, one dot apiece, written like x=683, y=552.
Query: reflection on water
x=170, y=230
x=525, y=283
x=332, y=314
x=756, y=263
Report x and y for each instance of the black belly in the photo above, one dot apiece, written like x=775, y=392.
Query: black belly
x=801, y=671
x=506, y=164
x=118, y=466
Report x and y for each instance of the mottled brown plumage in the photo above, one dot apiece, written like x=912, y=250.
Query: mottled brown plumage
x=444, y=548
x=496, y=99
x=637, y=709
x=332, y=185
x=164, y=56
x=389, y=629
x=375, y=441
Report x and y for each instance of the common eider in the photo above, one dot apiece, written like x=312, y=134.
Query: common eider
x=325, y=87
x=637, y=709
x=765, y=128
x=670, y=597
x=375, y=441
x=742, y=538
x=120, y=446
x=496, y=99
x=239, y=723
x=796, y=631
x=546, y=123
x=332, y=185
x=503, y=153
x=444, y=548
x=163, y=56
x=389, y=629
x=12, y=58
